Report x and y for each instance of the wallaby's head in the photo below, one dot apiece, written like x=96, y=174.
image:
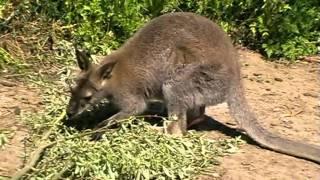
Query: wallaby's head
x=91, y=84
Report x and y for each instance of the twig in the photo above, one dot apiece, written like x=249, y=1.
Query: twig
x=7, y=83
x=150, y=116
x=38, y=152
x=9, y=18
x=2, y=36
x=60, y=118
x=6, y=22
x=64, y=170
x=33, y=161
x=3, y=175
x=311, y=60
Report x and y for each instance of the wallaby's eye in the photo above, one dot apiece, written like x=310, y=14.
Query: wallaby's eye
x=87, y=98
x=107, y=76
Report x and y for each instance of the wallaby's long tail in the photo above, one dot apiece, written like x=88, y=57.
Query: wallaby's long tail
x=240, y=110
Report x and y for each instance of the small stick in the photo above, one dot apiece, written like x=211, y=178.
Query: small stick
x=311, y=59
x=38, y=152
x=6, y=22
x=33, y=161
x=7, y=83
x=64, y=170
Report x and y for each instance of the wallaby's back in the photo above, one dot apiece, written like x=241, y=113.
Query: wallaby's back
x=179, y=30
x=153, y=50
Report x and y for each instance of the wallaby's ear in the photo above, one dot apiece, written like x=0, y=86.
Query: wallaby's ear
x=106, y=69
x=83, y=59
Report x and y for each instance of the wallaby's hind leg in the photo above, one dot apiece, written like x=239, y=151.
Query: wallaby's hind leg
x=182, y=119
x=193, y=86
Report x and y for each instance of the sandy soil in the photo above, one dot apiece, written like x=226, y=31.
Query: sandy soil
x=16, y=99
x=285, y=99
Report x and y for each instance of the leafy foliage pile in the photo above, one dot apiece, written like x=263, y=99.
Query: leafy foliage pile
x=135, y=153
x=275, y=27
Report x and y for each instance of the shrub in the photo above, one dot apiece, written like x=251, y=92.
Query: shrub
x=276, y=28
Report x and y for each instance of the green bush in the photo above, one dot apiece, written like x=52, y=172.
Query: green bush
x=277, y=28
x=102, y=25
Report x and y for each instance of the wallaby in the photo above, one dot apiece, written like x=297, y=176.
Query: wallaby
x=187, y=61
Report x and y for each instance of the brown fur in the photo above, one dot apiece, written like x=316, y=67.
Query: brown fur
x=187, y=61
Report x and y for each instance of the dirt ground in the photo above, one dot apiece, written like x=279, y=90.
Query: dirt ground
x=16, y=98
x=284, y=97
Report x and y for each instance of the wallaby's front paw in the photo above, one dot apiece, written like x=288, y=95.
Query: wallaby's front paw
x=175, y=135
x=174, y=129
x=157, y=129
x=174, y=132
